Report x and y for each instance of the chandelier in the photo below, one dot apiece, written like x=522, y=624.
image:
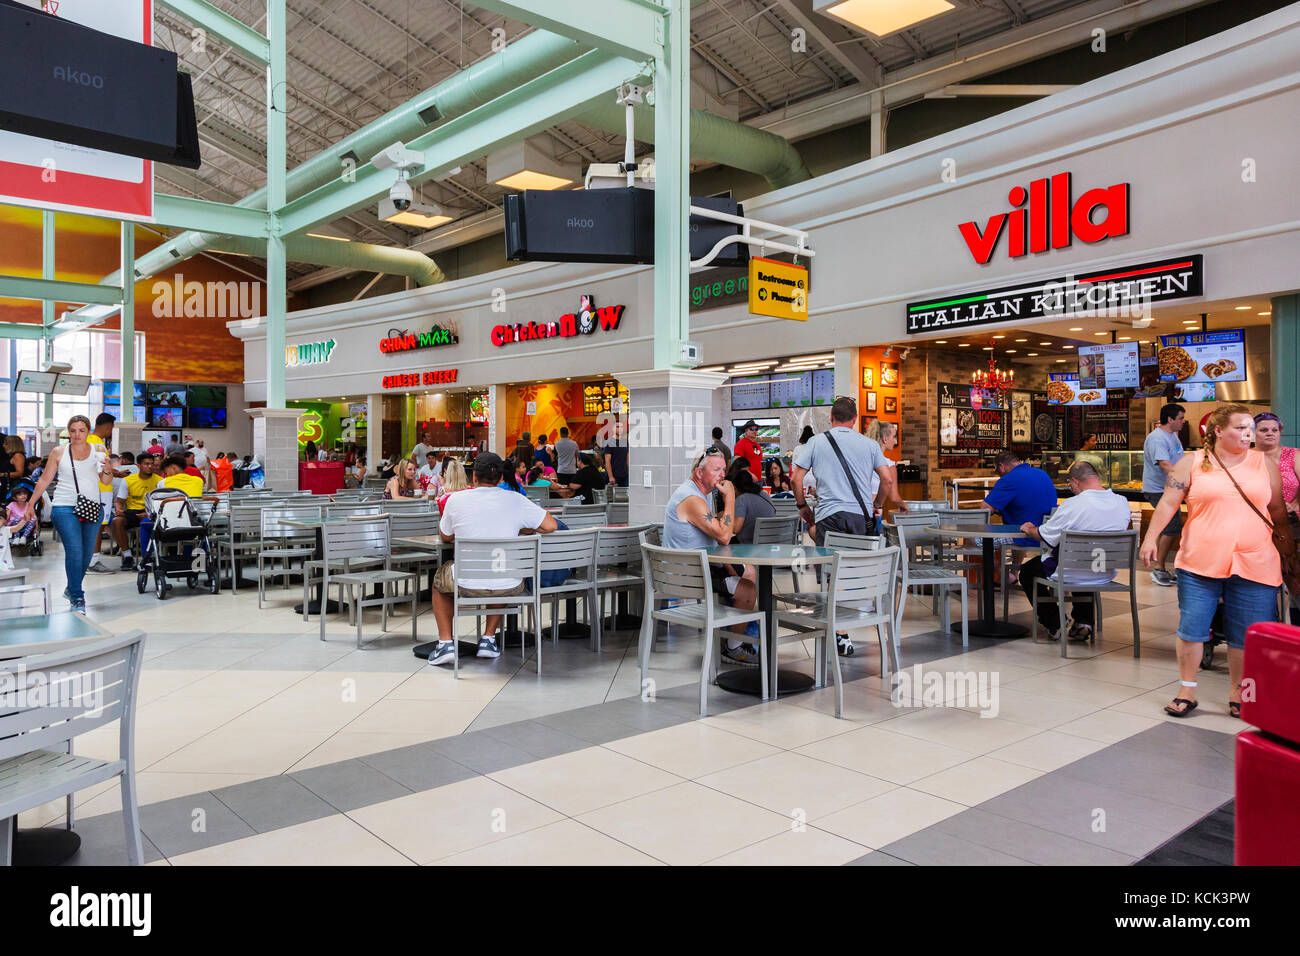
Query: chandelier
x=994, y=381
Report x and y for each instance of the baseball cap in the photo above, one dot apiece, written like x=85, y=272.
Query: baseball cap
x=485, y=462
x=748, y=425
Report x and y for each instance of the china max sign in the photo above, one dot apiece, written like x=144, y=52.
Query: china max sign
x=399, y=340
x=585, y=321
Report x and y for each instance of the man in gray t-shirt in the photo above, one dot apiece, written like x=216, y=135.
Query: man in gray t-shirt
x=1160, y=452
x=566, y=456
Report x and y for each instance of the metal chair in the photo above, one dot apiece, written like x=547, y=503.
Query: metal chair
x=860, y=594
x=617, y=512
x=351, y=510
x=683, y=578
x=618, y=565
x=242, y=540
x=779, y=530
x=575, y=506
x=582, y=520
x=78, y=690
x=21, y=600
x=498, y=559
x=839, y=541
x=940, y=578
x=280, y=542
x=652, y=535
x=1078, y=554
x=538, y=493
x=363, y=539
x=575, y=551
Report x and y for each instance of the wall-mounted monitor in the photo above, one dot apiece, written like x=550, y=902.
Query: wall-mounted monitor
x=173, y=396
x=113, y=392
x=140, y=414
x=163, y=417
x=205, y=417
x=207, y=396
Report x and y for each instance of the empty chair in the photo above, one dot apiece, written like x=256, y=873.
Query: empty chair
x=618, y=564
x=838, y=540
x=574, y=551
x=22, y=600
x=780, y=530
x=860, y=593
x=652, y=535
x=583, y=519
x=72, y=692
x=242, y=539
x=351, y=510
x=1078, y=555
x=538, y=493
x=483, y=560
x=682, y=577
x=416, y=524
x=365, y=539
x=282, y=543
x=928, y=574
x=575, y=506
x=617, y=512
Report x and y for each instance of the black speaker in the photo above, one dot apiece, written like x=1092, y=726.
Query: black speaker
x=605, y=225
x=66, y=82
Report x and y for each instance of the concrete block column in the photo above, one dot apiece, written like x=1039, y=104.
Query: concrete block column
x=374, y=432
x=671, y=420
x=275, y=445
x=128, y=436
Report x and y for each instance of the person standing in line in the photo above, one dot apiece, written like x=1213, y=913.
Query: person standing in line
x=1268, y=439
x=566, y=458
x=524, y=448
x=615, y=453
x=747, y=447
x=1160, y=454
x=847, y=465
x=543, y=452
x=155, y=447
x=1234, y=501
x=174, y=447
x=721, y=445
x=422, y=448
x=80, y=467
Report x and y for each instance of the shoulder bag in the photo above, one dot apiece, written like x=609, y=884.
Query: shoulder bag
x=87, y=511
x=1283, y=539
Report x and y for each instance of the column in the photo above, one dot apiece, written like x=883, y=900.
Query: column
x=1284, y=349
x=47, y=306
x=672, y=102
x=671, y=422
x=374, y=432
x=848, y=376
x=497, y=420
x=127, y=334
x=275, y=445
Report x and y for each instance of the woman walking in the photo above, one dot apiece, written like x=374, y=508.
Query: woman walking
x=1234, y=499
x=80, y=467
x=1268, y=439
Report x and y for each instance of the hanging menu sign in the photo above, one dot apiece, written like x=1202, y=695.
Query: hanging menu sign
x=601, y=397
x=752, y=392
x=1203, y=357
x=1109, y=366
x=1064, y=389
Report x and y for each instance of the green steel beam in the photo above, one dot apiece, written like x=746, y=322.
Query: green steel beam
x=277, y=154
x=126, y=352
x=47, y=306
x=221, y=24
x=22, y=287
x=531, y=108
x=214, y=217
x=630, y=28
x=21, y=330
x=672, y=121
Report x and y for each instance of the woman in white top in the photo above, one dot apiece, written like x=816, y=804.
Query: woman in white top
x=80, y=466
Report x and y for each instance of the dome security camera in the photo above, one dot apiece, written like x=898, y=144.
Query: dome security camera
x=401, y=195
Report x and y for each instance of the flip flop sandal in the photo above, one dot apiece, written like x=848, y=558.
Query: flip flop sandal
x=1191, y=706
x=1234, y=709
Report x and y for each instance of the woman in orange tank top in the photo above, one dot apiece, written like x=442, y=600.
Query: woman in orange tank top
x=1227, y=551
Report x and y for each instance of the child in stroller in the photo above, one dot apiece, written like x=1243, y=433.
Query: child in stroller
x=23, y=532
x=179, y=546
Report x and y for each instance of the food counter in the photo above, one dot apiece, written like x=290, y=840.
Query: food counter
x=1121, y=471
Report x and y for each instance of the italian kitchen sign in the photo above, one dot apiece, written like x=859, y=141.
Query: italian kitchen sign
x=400, y=340
x=585, y=321
x=437, y=376
x=1123, y=290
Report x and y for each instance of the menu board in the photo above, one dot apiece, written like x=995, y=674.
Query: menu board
x=1064, y=389
x=823, y=388
x=792, y=389
x=1109, y=366
x=755, y=391
x=603, y=396
x=1203, y=357
x=1149, y=384
x=1194, y=392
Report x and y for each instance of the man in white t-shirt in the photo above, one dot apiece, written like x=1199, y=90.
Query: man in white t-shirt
x=1092, y=508
x=429, y=471
x=483, y=511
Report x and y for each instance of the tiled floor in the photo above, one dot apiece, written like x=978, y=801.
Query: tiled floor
x=258, y=743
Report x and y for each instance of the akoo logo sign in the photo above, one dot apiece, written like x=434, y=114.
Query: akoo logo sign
x=1051, y=220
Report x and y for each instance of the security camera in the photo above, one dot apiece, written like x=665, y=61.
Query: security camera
x=401, y=195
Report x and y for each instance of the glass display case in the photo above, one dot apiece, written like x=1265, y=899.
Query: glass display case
x=1121, y=471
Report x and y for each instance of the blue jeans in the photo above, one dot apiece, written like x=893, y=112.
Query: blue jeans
x=78, y=539
x=1244, y=603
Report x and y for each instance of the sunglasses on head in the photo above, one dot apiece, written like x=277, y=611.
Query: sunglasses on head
x=1267, y=417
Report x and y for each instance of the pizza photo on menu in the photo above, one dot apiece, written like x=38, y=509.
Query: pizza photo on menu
x=1060, y=393
x=1175, y=360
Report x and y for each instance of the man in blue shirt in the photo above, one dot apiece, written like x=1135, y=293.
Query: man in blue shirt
x=1160, y=452
x=1023, y=494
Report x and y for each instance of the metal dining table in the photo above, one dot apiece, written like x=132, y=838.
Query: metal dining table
x=765, y=557
x=45, y=634
x=987, y=625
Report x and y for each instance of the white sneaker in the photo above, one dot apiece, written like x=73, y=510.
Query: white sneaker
x=444, y=652
x=98, y=567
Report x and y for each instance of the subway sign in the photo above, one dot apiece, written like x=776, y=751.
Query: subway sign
x=309, y=353
x=400, y=340
x=438, y=376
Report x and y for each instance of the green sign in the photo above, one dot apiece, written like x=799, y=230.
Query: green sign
x=309, y=353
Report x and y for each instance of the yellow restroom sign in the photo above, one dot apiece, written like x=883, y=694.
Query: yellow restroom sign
x=778, y=289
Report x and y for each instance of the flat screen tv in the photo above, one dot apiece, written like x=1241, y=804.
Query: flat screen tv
x=113, y=393
x=115, y=409
x=172, y=396
x=205, y=417
x=207, y=396
x=164, y=417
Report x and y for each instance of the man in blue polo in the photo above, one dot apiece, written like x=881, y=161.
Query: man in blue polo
x=1022, y=494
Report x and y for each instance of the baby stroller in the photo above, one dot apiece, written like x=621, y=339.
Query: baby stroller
x=28, y=538
x=179, y=546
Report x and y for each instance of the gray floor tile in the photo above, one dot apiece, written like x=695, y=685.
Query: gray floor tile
x=592, y=724
x=350, y=784
x=176, y=826
x=415, y=768
x=933, y=847
x=878, y=858
x=1181, y=783
x=537, y=739
x=644, y=716
x=1030, y=843
x=103, y=842
x=273, y=802
x=480, y=751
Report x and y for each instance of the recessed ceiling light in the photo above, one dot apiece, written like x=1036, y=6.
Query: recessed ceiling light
x=1100, y=333
x=999, y=336
x=1031, y=354
x=1067, y=346
x=1077, y=329
x=881, y=17
x=1126, y=338
x=941, y=342
x=963, y=345
x=1022, y=340
x=1011, y=351
x=1263, y=313
x=1044, y=343
x=987, y=348
x=1060, y=361
x=1241, y=308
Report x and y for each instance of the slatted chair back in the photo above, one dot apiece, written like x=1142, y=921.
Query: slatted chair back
x=351, y=510
x=24, y=600
x=275, y=528
x=364, y=537
x=583, y=520
x=785, y=507
x=47, y=700
x=653, y=535
x=676, y=575
x=775, y=530
x=839, y=541
x=574, y=550
x=912, y=535
x=245, y=521
x=619, y=546
x=574, y=506
x=860, y=576
x=395, y=505
x=1087, y=553
x=925, y=505
x=537, y=493
x=498, y=559
x=617, y=512
x=414, y=524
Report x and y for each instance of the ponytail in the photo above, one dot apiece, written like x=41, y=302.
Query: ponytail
x=1219, y=418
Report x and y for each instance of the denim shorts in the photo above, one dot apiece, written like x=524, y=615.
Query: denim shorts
x=1244, y=603
x=1175, y=525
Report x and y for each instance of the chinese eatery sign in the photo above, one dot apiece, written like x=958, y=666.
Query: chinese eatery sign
x=439, y=376
x=585, y=321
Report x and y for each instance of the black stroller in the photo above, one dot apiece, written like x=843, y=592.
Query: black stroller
x=179, y=544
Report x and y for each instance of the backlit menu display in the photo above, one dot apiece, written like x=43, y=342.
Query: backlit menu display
x=824, y=386
x=1109, y=366
x=1203, y=357
x=792, y=389
x=754, y=391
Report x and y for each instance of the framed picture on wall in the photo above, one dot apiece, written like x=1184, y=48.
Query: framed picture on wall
x=891, y=404
x=871, y=401
x=889, y=377
x=868, y=378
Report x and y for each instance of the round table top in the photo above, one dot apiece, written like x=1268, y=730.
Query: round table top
x=976, y=531
x=780, y=555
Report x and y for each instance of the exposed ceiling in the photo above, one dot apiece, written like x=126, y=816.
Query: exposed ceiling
x=350, y=61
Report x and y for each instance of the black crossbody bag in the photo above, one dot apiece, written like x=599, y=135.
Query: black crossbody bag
x=867, y=513
x=87, y=511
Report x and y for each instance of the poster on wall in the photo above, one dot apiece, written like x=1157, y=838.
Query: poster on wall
x=1022, y=414
x=966, y=427
x=889, y=375
x=1203, y=357
x=1108, y=423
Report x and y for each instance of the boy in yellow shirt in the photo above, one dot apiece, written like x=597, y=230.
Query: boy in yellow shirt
x=130, y=509
x=174, y=476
